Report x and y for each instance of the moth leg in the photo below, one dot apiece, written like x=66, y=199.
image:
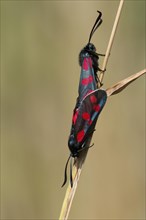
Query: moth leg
x=98, y=80
x=100, y=54
x=101, y=84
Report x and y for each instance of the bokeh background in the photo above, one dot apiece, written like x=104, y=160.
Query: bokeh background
x=40, y=43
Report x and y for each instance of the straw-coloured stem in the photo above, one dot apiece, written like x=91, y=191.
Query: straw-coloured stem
x=110, y=43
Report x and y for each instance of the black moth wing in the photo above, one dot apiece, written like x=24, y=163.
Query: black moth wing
x=87, y=115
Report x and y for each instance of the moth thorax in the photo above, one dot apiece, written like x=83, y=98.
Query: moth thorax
x=88, y=51
x=90, y=47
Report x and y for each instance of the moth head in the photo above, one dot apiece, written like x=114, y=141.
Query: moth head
x=73, y=146
x=90, y=48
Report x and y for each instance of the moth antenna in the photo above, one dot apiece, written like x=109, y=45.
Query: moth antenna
x=65, y=171
x=96, y=25
x=71, y=180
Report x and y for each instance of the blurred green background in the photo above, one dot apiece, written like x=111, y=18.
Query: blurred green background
x=40, y=43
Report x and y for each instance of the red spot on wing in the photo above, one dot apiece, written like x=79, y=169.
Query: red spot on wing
x=93, y=99
x=80, y=135
x=96, y=108
x=87, y=80
x=74, y=118
x=86, y=116
x=87, y=63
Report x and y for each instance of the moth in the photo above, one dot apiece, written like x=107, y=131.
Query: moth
x=90, y=101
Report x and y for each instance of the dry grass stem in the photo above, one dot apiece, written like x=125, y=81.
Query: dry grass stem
x=118, y=87
x=108, y=50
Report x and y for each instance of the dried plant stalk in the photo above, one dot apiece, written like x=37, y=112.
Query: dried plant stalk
x=108, y=50
x=118, y=87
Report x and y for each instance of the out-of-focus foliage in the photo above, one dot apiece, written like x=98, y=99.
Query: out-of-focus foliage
x=40, y=43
